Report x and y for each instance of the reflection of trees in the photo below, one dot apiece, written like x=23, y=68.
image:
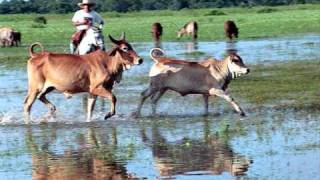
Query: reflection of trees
x=93, y=159
x=211, y=154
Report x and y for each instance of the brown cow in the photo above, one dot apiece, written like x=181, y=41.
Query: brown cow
x=6, y=36
x=191, y=28
x=156, y=31
x=209, y=78
x=231, y=30
x=16, y=38
x=94, y=73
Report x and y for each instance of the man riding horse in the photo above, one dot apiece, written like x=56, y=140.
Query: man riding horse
x=84, y=19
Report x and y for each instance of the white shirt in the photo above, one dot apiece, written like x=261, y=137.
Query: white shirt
x=80, y=16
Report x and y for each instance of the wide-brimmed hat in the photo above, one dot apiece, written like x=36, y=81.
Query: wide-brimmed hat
x=87, y=2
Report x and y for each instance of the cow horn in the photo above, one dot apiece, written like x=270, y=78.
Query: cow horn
x=123, y=36
x=113, y=40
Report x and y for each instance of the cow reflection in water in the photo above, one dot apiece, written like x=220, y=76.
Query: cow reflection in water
x=92, y=160
x=191, y=46
x=211, y=155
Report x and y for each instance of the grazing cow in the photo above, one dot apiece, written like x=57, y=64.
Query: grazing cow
x=94, y=73
x=191, y=28
x=156, y=31
x=231, y=30
x=6, y=36
x=209, y=78
x=16, y=39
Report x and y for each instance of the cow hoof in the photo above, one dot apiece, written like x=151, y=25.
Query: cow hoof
x=205, y=114
x=108, y=116
x=52, y=109
x=242, y=114
x=135, y=114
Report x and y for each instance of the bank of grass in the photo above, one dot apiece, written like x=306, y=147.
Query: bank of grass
x=284, y=85
x=256, y=22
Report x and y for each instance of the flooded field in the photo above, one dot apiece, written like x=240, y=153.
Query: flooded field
x=279, y=139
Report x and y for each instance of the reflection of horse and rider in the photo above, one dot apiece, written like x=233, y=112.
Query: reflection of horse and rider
x=89, y=29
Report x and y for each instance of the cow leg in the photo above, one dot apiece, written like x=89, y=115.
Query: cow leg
x=154, y=99
x=226, y=97
x=206, y=104
x=91, y=102
x=144, y=95
x=29, y=100
x=101, y=91
x=42, y=98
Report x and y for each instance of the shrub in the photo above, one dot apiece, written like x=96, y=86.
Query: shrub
x=267, y=10
x=40, y=20
x=215, y=13
x=37, y=25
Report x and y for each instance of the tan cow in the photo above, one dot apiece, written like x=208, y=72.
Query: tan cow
x=94, y=73
x=209, y=78
x=6, y=36
x=191, y=29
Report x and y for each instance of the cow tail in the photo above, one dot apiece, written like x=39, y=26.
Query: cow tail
x=156, y=53
x=31, y=49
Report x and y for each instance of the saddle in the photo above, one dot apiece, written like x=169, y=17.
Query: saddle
x=77, y=37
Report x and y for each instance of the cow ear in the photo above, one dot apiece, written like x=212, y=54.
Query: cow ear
x=113, y=40
x=113, y=52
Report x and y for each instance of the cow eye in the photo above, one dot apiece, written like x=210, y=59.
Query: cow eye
x=235, y=60
x=125, y=49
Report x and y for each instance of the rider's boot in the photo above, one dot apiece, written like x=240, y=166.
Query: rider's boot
x=72, y=48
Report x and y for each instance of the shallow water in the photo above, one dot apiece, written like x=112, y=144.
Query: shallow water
x=180, y=143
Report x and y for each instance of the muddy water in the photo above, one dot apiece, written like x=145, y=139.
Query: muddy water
x=180, y=143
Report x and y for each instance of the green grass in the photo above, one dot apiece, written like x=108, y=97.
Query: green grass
x=281, y=21
x=281, y=85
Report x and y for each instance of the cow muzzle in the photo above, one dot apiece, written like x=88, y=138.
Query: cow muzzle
x=240, y=72
x=126, y=67
x=138, y=61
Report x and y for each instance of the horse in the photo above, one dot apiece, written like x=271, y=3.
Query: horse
x=92, y=40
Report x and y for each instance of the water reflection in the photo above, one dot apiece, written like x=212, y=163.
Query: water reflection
x=191, y=46
x=231, y=47
x=207, y=155
x=94, y=157
x=99, y=153
x=157, y=44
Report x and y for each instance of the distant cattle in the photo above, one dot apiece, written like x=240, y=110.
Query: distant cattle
x=16, y=39
x=156, y=31
x=191, y=29
x=6, y=36
x=231, y=30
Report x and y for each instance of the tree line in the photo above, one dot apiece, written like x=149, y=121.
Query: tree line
x=66, y=6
